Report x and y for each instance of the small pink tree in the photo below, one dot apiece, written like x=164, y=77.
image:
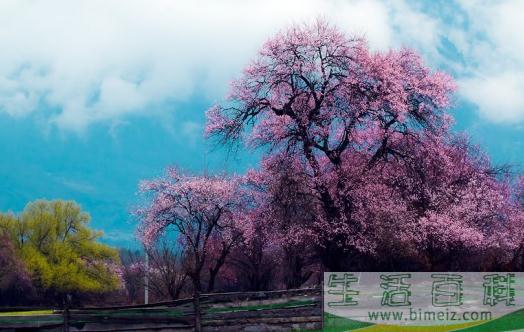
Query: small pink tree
x=201, y=212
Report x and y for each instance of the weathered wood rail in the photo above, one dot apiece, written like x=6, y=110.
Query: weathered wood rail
x=289, y=310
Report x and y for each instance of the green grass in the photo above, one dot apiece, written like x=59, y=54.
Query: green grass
x=172, y=312
x=289, y=304
x=334, y=323
x=27, y=313
x=509, y=322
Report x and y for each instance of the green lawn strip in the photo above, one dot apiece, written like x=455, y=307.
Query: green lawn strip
x=289, y=304
x=509, y=322
x=7, y=321
x=333, y=323
x=170, y=312
x=23, y=317
x=26, y=313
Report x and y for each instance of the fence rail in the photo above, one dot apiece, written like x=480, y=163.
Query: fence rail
x=298, y=309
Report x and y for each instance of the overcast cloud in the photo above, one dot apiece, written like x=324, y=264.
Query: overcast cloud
x=82, y=62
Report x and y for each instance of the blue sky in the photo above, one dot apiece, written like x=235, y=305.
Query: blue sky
x=96, y=95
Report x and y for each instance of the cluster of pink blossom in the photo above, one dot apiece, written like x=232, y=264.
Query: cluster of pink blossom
x=313, y=88
x=116, y=270
x=182, y=201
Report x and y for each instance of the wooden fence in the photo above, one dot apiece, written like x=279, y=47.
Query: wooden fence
x=290, y=310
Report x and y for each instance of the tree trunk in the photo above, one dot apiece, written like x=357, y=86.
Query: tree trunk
x=212, y=278
x=213, y=272
x=333, y=257
x=196, y=306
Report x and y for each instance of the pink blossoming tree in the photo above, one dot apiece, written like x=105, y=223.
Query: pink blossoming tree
x=359, y=146
x=202, y=214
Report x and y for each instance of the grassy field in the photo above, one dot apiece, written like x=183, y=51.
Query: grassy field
x=26, y=313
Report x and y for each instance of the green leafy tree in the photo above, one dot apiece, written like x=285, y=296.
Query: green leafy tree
x=60, y=251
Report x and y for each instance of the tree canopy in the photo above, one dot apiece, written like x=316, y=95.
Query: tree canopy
x=60, y=251
x=361, y=158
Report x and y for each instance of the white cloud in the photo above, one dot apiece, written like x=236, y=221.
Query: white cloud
x=493, y=77
x=500, y=97
x=99, y=60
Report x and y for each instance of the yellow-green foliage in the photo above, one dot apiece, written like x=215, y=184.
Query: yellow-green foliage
x=59, y=249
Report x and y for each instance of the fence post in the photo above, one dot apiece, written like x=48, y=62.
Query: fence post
x=66, y=312
x=146, y=278
x=322, y=303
